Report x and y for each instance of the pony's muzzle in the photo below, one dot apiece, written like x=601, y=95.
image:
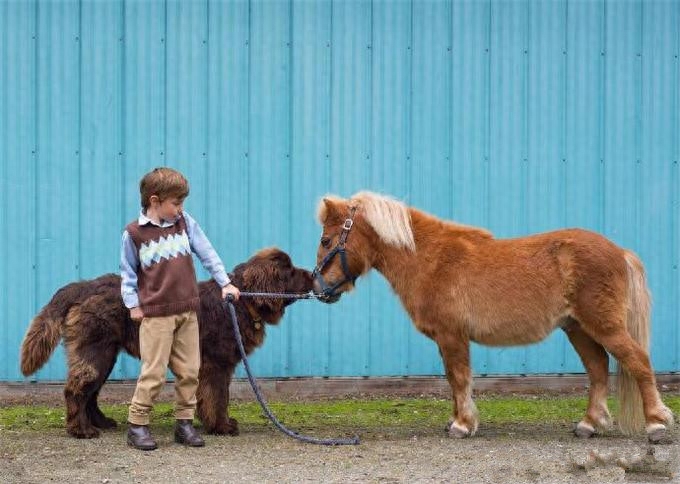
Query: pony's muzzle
x=325, y=293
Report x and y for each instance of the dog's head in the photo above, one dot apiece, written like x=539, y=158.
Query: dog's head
x=271, y=270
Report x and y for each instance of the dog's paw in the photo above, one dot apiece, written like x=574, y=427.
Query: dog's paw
x=84, y=433
x=106, y=423
x=228, y=427
x=233, y=424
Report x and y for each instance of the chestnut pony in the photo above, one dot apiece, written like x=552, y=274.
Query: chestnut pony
x=460, y=284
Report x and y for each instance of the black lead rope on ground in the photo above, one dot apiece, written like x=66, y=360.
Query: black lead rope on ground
x=253, y=383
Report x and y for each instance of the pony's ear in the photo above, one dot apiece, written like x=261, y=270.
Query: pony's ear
x=327, y=208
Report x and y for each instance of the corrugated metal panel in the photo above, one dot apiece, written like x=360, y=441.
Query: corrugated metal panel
x=57, y=177
x=308, y=326
x=515, y=116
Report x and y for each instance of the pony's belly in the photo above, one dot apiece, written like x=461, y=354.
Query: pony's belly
x=512, y=333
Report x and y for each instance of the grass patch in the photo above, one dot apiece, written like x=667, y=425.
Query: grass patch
x=368, y=415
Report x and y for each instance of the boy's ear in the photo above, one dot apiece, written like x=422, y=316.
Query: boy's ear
x=154, y=198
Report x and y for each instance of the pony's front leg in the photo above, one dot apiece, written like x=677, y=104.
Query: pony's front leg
x=455, y=351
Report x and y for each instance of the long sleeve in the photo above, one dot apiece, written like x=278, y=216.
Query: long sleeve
x=129, y=262
x=201, y=246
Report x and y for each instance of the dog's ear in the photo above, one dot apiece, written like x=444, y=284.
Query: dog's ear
x=280, y=258
x=263, y=275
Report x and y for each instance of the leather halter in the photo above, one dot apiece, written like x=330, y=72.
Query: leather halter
x=326, y=290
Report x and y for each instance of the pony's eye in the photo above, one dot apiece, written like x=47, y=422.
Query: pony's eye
x=325, y=242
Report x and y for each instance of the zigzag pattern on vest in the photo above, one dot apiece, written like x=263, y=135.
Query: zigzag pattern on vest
x=165, y=248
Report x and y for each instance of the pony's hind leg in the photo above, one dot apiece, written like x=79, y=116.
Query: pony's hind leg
x=634, y=359
x=455, y=351
x=596, y=362
x=614, y=337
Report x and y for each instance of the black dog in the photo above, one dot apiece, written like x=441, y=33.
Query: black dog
x=95, y=325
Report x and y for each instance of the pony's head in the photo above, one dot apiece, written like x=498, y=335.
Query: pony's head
x=354, y=231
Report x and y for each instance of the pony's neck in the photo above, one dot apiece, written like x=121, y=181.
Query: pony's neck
x=398, y=264
x=402, y=267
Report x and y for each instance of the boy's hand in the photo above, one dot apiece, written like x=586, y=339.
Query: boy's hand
x=230, y=289
x=136, y=314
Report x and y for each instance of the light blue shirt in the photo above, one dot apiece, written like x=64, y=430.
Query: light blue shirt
x=200, y=245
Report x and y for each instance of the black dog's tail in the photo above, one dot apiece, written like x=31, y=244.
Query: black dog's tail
x=41, y=339
x=45, y=331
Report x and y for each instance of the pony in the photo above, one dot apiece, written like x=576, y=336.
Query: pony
x=95, y=326
x=460, y=284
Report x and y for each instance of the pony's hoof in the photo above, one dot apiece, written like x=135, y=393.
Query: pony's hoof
x=584, y=430
x=457, y=431
x=656, y=433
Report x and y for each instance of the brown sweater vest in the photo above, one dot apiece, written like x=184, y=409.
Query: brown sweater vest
x=166, y=279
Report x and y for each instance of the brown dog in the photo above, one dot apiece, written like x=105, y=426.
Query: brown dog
x=95, y=325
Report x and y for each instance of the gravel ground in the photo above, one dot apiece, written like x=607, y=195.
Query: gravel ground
x=498, y=454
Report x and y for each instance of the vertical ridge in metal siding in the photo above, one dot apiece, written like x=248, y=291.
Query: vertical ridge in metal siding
x=101, y=133
x=58, y=154
x=388, y=168
x=227, y=183
x=507, y=135
x=227, y=128
x=186, y=98
x=655, y=174
x=143, y=115
x=270, y=153
x=620, y=112
x=583, y=126
x=4, y=157
x=308, y=323
x=601, y=118
x=546, y=30
x=5, y=369
x=431, y=183
x=350, y=153
x=470, y=114
x=675, y=207
x=144, y=108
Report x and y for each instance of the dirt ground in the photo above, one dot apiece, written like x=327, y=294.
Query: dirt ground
x=515, y=453
x=498, y=454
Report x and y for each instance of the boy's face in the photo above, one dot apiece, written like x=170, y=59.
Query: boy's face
x=169, y=209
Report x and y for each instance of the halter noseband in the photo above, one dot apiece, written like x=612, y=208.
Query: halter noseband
x=326, y=290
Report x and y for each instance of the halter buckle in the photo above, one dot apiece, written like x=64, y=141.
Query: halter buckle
x=348, y=224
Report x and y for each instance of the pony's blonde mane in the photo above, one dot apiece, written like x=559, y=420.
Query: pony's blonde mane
x=389, y=217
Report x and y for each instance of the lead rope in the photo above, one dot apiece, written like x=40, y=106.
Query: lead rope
x=253, y=383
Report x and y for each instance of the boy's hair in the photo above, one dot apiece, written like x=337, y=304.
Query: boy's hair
x=164, y=183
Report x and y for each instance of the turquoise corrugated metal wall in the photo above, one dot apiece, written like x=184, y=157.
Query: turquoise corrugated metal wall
x=519, y=116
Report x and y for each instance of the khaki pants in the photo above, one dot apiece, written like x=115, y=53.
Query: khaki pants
x=163, y=341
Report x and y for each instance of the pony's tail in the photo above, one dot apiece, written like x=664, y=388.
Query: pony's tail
x=631, y=415
x=41, y=339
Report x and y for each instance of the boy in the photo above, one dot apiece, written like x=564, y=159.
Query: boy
x=159, y=287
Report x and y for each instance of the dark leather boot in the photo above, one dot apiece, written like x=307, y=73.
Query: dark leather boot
x=140, y=438
x=186, y=434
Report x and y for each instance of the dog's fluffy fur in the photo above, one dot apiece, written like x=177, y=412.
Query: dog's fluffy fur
x=95, y=326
